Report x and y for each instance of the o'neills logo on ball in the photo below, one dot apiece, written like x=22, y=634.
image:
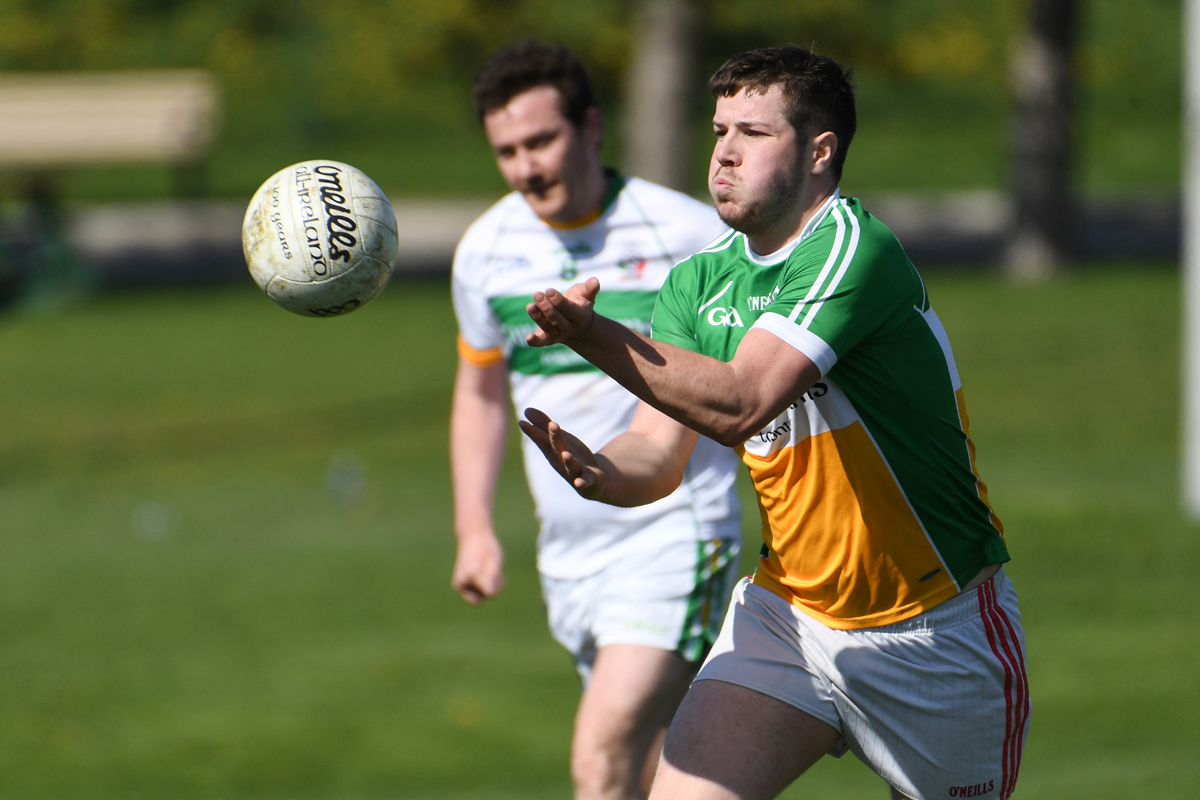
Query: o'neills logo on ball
x=338, y=226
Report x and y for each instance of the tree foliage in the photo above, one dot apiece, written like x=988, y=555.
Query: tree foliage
x=356, y=62
x=356, y=70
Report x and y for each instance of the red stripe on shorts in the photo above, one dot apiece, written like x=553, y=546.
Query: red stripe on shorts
x=989, y=623
x=1012, y=682
x=1023, y=687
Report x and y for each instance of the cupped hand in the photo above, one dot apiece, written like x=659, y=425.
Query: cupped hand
x=478, y=568
x=569, y=456
x=562, y=317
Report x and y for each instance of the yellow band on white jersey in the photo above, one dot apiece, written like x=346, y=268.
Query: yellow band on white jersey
x=479, y=358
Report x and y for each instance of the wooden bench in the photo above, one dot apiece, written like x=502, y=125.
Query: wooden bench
x=58, y=121
x=52, y=121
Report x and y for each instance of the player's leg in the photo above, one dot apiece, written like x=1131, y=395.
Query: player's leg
x=630, y=699
x=937, y=705
x=653, y=617
x=758, y=714
x=732, y=743
x=650, y=767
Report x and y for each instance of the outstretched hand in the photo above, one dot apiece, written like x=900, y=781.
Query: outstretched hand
x=562, y=317
x=567, y=454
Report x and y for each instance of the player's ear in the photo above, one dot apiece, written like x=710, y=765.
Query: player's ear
x=825, y=146
x=593, y=126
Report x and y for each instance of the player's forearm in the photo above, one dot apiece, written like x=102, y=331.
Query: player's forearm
x=475, y=463
x=637, y=471
x=705, y=394
x=478, y=430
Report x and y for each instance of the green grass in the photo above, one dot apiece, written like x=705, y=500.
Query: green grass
x=187, y=611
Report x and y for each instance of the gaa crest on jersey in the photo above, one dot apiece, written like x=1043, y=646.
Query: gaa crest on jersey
x=720, y=315
x=632, y=267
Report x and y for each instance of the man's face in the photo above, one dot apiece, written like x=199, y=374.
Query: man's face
x=541, y=153
x=756, y=173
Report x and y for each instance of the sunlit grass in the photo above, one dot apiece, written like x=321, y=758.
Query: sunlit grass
x=226, y=548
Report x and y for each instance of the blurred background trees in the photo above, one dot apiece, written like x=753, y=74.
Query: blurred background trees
x=659, y=90
x=1043, y=75
x=383, y=83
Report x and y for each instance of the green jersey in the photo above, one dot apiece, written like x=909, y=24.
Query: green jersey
x=872, y=509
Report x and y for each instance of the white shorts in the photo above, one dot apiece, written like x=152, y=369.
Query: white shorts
x=673, y=598
x=937, y=705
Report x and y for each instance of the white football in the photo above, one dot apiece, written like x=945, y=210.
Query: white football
x=320, y=238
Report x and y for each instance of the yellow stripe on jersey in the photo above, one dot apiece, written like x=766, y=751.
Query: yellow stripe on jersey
x=845, y=546
x=578, y=222
x=966, y=428
x=479, y=358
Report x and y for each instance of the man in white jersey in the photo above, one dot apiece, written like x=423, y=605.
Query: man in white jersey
x=635, y=594
x=879, y=619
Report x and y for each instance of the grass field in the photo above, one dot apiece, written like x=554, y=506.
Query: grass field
x=226, y=547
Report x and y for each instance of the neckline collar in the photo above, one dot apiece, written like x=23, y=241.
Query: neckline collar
x=780, y=255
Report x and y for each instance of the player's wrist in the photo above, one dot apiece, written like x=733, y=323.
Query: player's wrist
x=600, y=472
x=587, y=335
x=475, y=534
x=572, y=339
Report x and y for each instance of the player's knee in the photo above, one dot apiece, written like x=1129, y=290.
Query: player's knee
x=591, y=773
x=599, y=770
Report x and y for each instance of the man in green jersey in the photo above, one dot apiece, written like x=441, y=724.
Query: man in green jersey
x=879, y=619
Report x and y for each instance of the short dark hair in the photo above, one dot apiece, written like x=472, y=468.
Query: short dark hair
x=527, y=65
x=816, y=91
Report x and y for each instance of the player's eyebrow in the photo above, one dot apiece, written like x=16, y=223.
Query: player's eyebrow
x=541, y=137
x=743, y=123
x=753, y=123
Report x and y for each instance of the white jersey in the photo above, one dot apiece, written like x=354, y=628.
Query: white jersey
x=509, y=253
